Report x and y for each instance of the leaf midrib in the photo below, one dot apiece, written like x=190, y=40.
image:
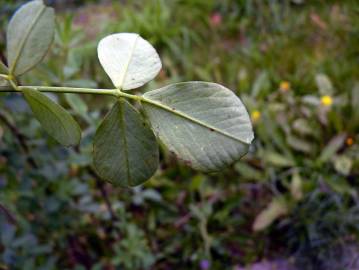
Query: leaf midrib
x=22, y=44
x=128, y=63
x=194, y=120
x=123, y=125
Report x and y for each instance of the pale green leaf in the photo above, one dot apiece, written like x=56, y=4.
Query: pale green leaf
x=249, y=172
x=29, y=36
x=343, y=164
x=332, y=147
x=277, y=208
x=302, y=126
x=299, y=144
x=261, y=85
x=57, y=122
x=125, y=148
x=76, y=103
x=296, y=188
x=204, y=124
x=128, y=59
x=277, y=159
x=324, y=84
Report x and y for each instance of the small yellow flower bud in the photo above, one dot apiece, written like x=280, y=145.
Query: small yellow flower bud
x=284, y=86
x=255, y=116
x=326, y=101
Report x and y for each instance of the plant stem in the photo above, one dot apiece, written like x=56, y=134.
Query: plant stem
x=51, y=89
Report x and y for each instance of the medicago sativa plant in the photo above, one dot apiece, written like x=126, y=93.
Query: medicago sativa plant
x=202, y=123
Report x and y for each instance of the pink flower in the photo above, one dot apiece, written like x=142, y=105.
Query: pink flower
x=216, y=19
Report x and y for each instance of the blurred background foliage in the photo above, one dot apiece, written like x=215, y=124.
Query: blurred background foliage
x=291, y=203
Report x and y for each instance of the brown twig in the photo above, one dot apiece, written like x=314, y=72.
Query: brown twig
x=9, y=216
x=104, y=194
x=100, y=184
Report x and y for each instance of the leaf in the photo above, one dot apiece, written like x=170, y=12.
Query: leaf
x=343, y=164
x=125, y=148
x=299, y=144
x=324, y=84
x=128, y=59
x=29, y=36
x=277, y=159
x=332, y=147
x=76, y=103
x=277, y=208
x=339, y=184
x=302, y=126
x=296, y=186
x=261, y=84
x=57, y=122
x=204, y=124
x=248, y=171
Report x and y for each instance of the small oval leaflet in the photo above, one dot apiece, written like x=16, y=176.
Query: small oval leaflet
x=57, y=122
x=204, y=124
x=128, y=59
x=125, y=148
x=29, y=36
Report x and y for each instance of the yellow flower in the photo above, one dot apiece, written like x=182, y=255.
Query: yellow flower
x=284, y=86
x=326, y=101
x=255, y=116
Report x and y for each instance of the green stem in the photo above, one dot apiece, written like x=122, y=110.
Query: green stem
x=207, y=240
x=51, y=89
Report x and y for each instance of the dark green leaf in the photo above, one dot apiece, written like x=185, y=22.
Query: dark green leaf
x=125, y=148
x=55, y=119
